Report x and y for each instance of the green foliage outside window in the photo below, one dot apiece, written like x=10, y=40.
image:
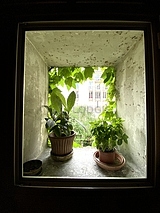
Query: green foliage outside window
x=69, y=77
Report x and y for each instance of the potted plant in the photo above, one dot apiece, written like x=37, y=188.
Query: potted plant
x=58, y=123
x=107, y=135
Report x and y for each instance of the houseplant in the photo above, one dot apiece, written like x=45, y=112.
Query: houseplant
x=107, y=129
x=107, y=135
x=58, y=123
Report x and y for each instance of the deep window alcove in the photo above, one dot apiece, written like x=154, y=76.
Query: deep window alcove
x=64, y=44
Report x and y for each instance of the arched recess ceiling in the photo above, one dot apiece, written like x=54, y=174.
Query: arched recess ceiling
x=83, y=47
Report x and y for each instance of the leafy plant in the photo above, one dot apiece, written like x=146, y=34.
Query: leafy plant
x=108, y=134
x=109, y=76
x=108, y=126
x=108, y=130
x=58, y=120
x=68, y=76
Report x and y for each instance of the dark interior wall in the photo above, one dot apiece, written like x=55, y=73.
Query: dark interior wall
x=17, y=199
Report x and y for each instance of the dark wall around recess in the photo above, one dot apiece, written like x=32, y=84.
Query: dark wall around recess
x=47, y=200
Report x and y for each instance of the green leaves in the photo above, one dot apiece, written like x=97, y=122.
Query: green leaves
x=88, y=72
x=57, y=99
x=108, y=134
x=68, y=82
x=66, y=72
x=71, y=101
x=108, y=129
x=59, y=102
x=58, y=119
x=71, y=75
x=108, y=75
x=56, y=102
x=78, y=77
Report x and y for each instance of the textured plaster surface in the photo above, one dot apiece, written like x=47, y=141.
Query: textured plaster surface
x=82, y=164
x=131, y=103
x=35, y=96
x=83, y=48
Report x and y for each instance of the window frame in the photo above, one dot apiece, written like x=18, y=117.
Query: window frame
x=87, y=183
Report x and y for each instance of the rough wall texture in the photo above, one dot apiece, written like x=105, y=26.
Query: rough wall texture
x=131, y=103
x=35, y=96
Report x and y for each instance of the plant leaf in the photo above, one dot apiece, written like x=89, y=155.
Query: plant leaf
x=78, y=77
x=56, y=102
x=108, y=76
x=104, y=74
x=88, y=72
x=57, y=91
x=119, y=142
x=50, y=124
x=68, y=81
x=56, y=130
x=74, y=84
x=71, y=101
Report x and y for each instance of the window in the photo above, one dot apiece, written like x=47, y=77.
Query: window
x=90, y=94
x=25, y=107
x=104, y=95
x=98, y=86
x=97, y=95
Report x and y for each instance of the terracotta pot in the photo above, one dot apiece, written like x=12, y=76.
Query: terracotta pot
x=118, y=164
x=61, y=146
x=107, y=157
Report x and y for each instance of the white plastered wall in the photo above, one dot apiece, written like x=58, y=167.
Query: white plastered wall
x=35, y=96
x=131, y=103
